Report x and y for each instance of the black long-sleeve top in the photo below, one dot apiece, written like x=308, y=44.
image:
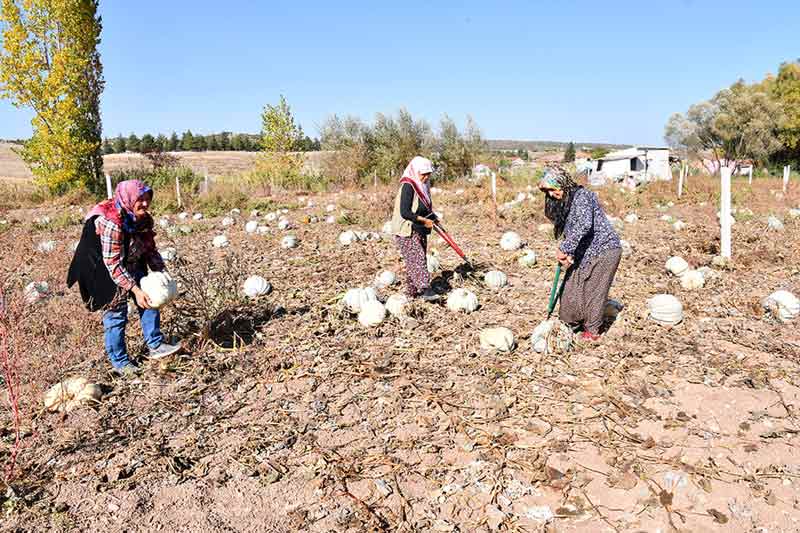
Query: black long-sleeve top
x=406, y=201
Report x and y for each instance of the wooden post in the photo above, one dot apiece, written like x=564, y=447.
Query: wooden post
x=725, y=213
x=494, y=194
x=178, y=192
x=109, y=192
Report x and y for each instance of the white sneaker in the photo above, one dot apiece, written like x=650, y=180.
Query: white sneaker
x=164, y=350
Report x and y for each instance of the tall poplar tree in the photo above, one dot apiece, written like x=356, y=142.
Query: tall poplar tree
x=49, y=63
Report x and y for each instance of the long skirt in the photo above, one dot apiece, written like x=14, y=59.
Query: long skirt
x=416, y=263
x=586, y=291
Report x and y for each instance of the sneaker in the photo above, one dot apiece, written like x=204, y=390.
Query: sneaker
x=127, y=371
x=429, y=295
x=164, y=350
x=589, y=337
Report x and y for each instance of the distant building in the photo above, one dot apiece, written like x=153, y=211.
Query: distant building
x=633, y=165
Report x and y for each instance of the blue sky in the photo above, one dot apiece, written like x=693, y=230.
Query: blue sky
x=606, y=71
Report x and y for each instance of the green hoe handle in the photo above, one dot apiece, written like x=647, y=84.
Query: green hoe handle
x=554, y=292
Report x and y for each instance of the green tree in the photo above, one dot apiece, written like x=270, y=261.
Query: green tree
x=199, y=143
x=224, y=141
x=49, y=63
x=211, y=143
x=162, y=143
x=147, y=144
x=108, y=148
x=236, y=143
x=598, y=153
x=785, y=89
x=133, y=143
x=569, y=153
x=173, y=144
x=395, y=141
x=279, y=133
x=187, y=141
x=119, y=144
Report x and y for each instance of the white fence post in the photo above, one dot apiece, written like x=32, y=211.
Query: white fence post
x=725, y=213
x=787, y=170
x=109, y=192
x=680, y=180
x=750, y=175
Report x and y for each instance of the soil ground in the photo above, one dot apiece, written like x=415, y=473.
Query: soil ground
x=296, y=418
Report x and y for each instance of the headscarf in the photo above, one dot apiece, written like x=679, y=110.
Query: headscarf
x=413, y=176
x=120, y=208
x=557, y=178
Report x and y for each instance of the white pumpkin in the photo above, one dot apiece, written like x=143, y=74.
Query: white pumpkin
x=462, y=300
x=362, y=235
x=374, y=236
x=330, y=220
x=160, y=288
x=35, y=291
x=385, y=279
x=183, y=216
x=270, y=217
x=346, y=238
x=262, y=230
x=774, y=223
x=631, y=218
x=256, y=286
x=169, y=254
x=676, y=265
x=667, y=218
x=783, y=305
x=627, y=249
x=551, y=336
x=665, y=309
x=251, y=226
x=330, y=208
x=198, y=216
x=500, y=339
x=236, y=212
x=354, y=299
x=510, y=241
x=220, y=241
x=794, y=213
x=185, y=229
x=693, y=279
x=495, y=279
x=290, y=241
x=396, y=305
x=71, y=393
x=528, y=259
x=387, y=228
x=228, y=221
x=433, y=263
x=372, y=313
x=45, y=247
x=285, y=211
x=284, y=224
x=163, y=222
x=679, y=225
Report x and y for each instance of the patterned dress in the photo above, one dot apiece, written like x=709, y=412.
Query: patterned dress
x=595, y=247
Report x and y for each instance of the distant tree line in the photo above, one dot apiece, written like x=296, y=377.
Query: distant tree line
x=758, y=122
x=189, y=142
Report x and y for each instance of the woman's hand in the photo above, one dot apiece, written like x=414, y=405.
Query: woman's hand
x=564, y=259
x=141, y=298
x=428, y=223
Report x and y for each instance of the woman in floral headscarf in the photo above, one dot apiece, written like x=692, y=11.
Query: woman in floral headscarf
x=412, y=222
x=116, y=248
x=591, y=249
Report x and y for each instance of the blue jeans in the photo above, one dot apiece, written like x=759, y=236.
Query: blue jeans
x=114, y=322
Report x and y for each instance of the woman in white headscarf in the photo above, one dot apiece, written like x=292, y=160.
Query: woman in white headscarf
x=412, y=222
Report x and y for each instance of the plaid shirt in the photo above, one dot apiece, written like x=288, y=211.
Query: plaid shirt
x=111, y=244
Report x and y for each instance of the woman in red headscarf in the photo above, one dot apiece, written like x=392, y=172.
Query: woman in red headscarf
x=412, y=222
x=116, y=248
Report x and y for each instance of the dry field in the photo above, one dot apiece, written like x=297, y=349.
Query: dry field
x=296, y=418
x=216, y=164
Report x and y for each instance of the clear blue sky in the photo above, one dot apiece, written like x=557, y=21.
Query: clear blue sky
x=609, y=71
